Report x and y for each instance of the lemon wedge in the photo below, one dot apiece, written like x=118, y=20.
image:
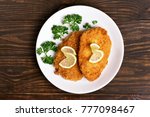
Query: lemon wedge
x=69, y=61
x=96, y=56
x=68, y=49
x=94, y=47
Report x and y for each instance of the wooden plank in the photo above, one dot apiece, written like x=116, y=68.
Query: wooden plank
x=19, y=72
x=39, y=9
x=64, y=96
x=20, y=76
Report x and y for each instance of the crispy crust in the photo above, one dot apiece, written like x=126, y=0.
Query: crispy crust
x=95, y=35
x=73, y=73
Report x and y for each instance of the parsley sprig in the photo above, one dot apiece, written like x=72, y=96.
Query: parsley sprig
x=59, y=31
x=87, y=26
x=94, y=21
x=45, y=47
x=73, y=20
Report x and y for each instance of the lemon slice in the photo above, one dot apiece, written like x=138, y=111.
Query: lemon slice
x=68, y=49
x=94, y=47
x=96, y=56
x=69, y=61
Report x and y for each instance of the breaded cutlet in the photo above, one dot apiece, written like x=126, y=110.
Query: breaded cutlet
x=74, y=72
x=94, y=35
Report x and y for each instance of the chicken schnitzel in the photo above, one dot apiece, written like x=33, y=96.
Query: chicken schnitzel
x=99, y=36
x=74, y=72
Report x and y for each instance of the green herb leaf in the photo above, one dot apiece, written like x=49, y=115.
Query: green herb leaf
x=94, y=21
x=45, y=47
x=48, y=45
x=47, y=59
x=39, y=51
x=59, y=31
x=87, y=26
x=74, y=27
x=73, y=20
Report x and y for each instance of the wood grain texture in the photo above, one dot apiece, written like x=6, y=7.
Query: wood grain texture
x=20, y=22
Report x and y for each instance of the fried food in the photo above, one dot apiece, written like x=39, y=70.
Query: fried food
x=74, y=72
x=99, y=36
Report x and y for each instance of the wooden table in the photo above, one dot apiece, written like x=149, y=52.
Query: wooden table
x=20, y=22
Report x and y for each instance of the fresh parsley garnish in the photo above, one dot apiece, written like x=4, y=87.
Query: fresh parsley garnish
x=87, y=26
x=47, y=59
x=74, y=27
x=59, y=31
x=45, y=47
x=94, y=21
x=48, y=45
x=73, y=20
x=39, y=51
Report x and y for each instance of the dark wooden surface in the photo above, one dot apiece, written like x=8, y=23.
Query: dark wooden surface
x=20, y=22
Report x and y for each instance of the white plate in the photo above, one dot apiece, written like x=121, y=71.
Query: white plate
x=115, y=59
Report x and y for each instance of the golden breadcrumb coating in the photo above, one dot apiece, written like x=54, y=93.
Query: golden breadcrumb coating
x=73, y=73
x=99, y=36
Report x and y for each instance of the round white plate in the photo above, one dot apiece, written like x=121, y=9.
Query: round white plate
x=115, y=59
